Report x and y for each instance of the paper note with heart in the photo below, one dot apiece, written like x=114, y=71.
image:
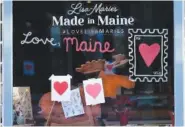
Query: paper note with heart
x=60, y=88
x=148, y=55
x=74, y=107
x=93, y=90
x=28, y=68
x=109, y=68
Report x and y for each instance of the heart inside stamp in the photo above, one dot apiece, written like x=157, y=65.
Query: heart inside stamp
x=149, y=53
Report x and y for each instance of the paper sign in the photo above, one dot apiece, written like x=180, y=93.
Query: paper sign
x=94, y=93
x=28, y=68
x=60, y=88
x=74, y=107
x=109, y=67
x=22, y=103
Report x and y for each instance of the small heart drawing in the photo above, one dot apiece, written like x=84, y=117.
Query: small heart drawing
x=93, y=89
x=109, y=67
x=28, y=67
x=149, y=53
x=60, y=87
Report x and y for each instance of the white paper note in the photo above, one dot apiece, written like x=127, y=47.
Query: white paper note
x=93, y=90
x=109, y=68
x=60, y=88
x=74, y=107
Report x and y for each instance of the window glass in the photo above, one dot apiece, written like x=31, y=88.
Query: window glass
x=127, y=47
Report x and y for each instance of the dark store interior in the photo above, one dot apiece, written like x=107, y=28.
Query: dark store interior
x=36, y=17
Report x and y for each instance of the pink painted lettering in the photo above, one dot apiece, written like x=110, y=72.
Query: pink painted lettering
x=67, y=39
x=84, y=46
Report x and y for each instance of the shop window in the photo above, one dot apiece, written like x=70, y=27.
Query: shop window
x=135, y=103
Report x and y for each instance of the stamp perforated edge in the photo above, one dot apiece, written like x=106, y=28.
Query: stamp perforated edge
x=164, y=32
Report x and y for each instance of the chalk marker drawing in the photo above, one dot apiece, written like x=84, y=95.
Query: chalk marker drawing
x=148, y=55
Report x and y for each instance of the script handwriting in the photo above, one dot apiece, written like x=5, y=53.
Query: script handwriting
x=98, y=8
x=83, y=46
x=36, y=40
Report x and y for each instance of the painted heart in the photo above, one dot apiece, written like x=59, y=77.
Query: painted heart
x=93, y=89
x=149, y=53
x=60, y=87
x=28, y=67
x=109, y=67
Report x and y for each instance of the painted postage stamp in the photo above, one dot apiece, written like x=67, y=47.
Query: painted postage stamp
x=148, y=55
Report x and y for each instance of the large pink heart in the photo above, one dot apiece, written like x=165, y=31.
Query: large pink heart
x=60, y=87
x=149, y=53
x=93, y=89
